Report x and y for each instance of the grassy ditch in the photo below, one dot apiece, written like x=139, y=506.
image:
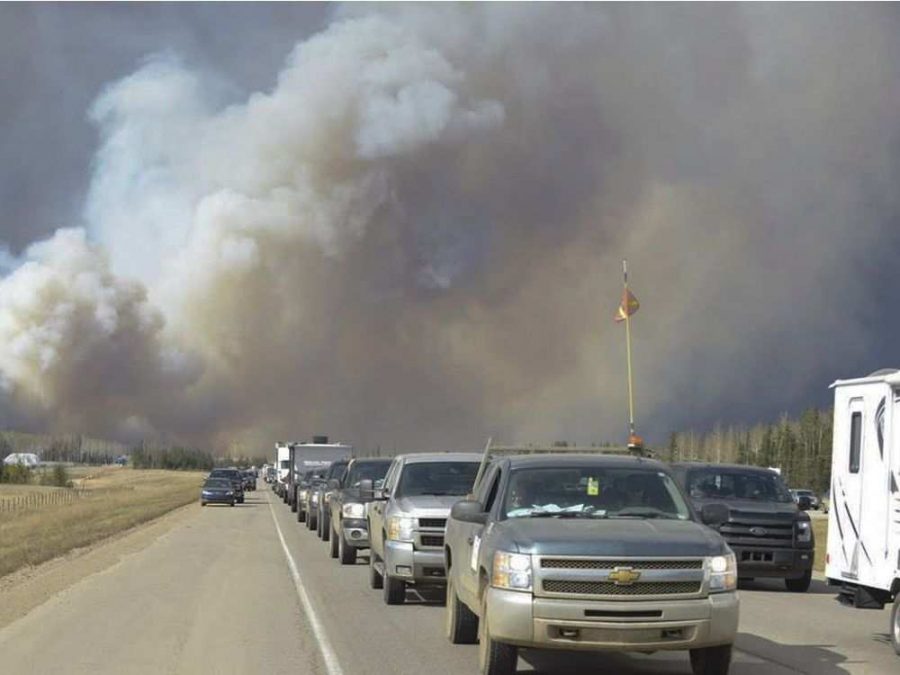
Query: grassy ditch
x=109, y=502
x=820, y=531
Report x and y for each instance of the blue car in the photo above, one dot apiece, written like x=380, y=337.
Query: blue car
x=217, y=491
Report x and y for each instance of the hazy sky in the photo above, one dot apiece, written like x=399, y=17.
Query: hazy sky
x=403, y=225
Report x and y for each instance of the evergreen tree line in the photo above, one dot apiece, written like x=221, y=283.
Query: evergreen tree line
x=176, y=458
x=800, y=447
x=61, y=447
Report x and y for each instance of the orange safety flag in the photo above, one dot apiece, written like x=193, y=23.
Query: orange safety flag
x=628, y=306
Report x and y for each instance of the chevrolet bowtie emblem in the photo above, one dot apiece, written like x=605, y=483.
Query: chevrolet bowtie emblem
x=623, y=576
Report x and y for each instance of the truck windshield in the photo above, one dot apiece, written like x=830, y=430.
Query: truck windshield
x=437, y=478
x=593, y=492
x=758, y=486
x=366, y=471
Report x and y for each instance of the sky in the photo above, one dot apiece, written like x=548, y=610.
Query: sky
x=403, y=225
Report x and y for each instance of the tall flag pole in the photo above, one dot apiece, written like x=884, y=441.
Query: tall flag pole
x=629, y=306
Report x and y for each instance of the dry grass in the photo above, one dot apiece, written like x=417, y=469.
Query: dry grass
x=116, y=500
x=820, y=531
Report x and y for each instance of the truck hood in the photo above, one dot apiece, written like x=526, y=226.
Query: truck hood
x=748, y=508
x=613, y=537
x=437, y=506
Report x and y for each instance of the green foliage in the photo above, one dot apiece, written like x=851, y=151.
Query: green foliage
x=175, y=458
x=801, y=447
x=58, y=476
x=15, y=473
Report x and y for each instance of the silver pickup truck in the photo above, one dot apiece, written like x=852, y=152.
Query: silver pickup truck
x=406, y=519
x=588, y=552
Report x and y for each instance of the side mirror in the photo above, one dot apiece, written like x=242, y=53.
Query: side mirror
x=714, y=514
x=469, y=511
x=365, y=488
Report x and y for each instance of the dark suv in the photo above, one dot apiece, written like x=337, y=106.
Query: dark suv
x=769, y=535
x=236, y=478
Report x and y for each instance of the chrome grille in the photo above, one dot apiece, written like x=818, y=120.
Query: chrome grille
x=574, y=564
x=433, y=522
x=609, y=588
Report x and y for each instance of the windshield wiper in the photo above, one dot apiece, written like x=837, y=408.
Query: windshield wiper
x=565, y=514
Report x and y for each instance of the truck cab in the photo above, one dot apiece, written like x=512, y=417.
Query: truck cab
x=769, y=534
x=407, y=518
x=587, y=552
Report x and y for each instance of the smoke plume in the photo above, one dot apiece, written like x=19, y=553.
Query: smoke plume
x=414, y=237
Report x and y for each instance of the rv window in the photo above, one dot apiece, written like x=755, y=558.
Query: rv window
x=855, y=438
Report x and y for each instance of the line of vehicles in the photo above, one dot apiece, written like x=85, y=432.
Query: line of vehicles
x=227, y=486
x=568, y=548
x=582, y=549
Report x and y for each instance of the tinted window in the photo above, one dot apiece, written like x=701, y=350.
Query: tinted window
x=437, y=478
x=736, y=484
x=593, y=491
x=366, y=471
x=855, y=441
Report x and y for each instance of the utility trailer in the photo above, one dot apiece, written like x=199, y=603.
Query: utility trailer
x=863, y=555
x=318, y=454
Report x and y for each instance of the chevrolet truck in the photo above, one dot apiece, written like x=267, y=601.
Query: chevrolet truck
x=587, y=552
x=407, y=517
x=769, y=534
x=349, y=529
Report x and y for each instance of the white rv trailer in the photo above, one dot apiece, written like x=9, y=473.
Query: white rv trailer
x=864, y=520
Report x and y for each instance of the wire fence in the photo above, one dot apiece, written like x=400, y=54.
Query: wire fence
x=38, y=500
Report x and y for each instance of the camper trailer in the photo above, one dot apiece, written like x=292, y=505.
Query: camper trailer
x=863, y=555
x=282, y=466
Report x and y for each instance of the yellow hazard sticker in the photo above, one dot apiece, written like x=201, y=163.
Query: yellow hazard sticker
x=593, y=487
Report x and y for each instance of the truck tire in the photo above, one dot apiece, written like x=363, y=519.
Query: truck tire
x=311, y=521
x=301, y=516
x=895, y=625
x=231, y=503
x=495, y=658
x=241, y=499
x=394, y=590
x=375, y=579
x=800, y=585
x=333, y=545
x=347, y=553
x=202, y=503
x=326, y=527
x=461, y=623
x=293, y=506
x=320, y=522
x=711, y=660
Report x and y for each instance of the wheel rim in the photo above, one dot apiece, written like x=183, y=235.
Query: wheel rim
x=896, y=627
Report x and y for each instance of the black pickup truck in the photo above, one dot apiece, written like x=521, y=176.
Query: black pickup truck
x=769, y=534
x=349, y=531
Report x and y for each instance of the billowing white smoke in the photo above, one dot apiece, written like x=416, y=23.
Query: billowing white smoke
x=414, y=237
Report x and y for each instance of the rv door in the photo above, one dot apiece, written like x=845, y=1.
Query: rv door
x=848, y=486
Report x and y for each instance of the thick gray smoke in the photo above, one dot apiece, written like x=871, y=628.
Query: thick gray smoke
x=414, y=238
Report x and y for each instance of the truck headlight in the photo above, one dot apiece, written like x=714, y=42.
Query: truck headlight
x=302, y=495
x=353, y=510
x=400, y=528
x=315, y=498
x=804, y=532
x=511, y=571
x=722, y=573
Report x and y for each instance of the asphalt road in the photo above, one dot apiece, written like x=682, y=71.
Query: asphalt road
x=216, y=594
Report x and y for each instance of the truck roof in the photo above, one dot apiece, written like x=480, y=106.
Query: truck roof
x=418, y=457
x=564, y=460
x=889, y=376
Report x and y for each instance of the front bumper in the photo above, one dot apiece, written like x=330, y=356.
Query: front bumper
x=782, y=563
x=402, y=561
x=521, y=619
x=217, y=499
x=356, y=532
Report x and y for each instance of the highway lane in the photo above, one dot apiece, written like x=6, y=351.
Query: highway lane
x=780, y=632
x=215, y=595
x=211, y=595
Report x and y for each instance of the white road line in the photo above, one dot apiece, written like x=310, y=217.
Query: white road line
x=328, y=653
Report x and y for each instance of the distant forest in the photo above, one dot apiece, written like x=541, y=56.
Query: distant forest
x=800, y=447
